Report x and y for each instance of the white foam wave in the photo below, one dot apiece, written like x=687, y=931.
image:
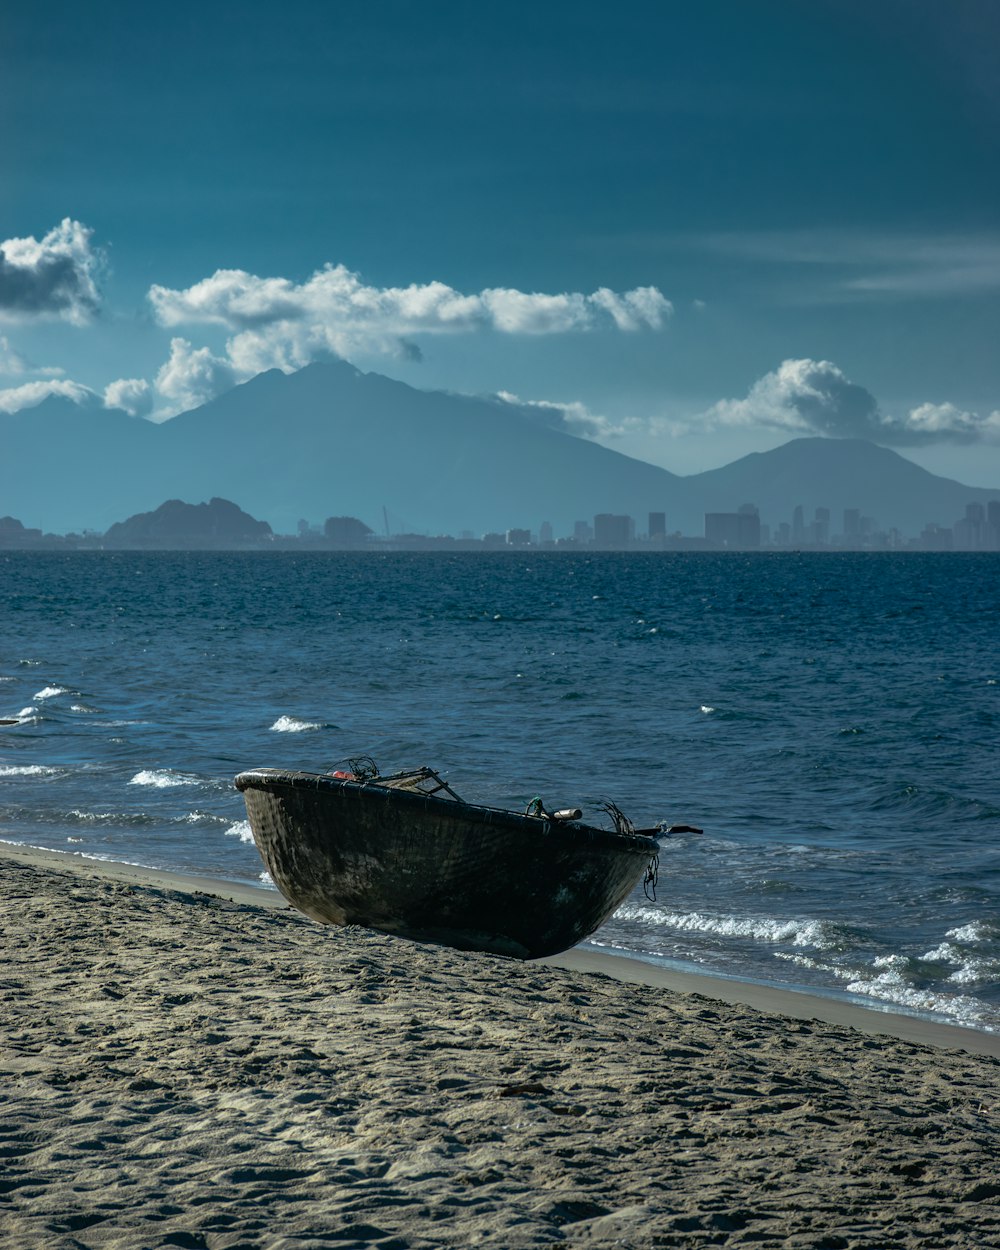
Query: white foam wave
x=706, y=709
x=241, y=829
x=52, y=692
x=976, y=931
x=976, y=972
x=890, y=986
x=292, y=725
x=82, y=707
x=27, y=770
x=162, y=779
x=946, y=953
x=812, y=933
x=267, y=880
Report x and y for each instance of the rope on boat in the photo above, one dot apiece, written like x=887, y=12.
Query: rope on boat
x=649, y=880
x=363, y=767
x=624, y=826
x=622, y=823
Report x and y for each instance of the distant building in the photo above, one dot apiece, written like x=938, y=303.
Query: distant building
x=519, y=538
x=657, y=525
x=739, y=531
x=582, y=532
x=821, y=526
x=798, y=526
x=852, y=524
x=613, y=531
x=545, y=533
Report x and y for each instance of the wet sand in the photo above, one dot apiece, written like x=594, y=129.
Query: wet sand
x=190, y=1064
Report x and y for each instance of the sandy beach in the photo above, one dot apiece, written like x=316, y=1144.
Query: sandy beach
x=194, y=1065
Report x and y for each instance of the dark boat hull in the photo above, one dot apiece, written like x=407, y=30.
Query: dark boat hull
x=476, y=878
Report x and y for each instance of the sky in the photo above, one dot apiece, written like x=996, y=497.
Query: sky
x=687, y=231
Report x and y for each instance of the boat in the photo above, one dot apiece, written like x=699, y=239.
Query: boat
x=405, y=855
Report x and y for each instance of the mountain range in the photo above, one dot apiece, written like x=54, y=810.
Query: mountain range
x=331, y=440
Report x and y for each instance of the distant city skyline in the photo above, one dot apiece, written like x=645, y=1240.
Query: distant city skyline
x=686, y=232
x=221, y=524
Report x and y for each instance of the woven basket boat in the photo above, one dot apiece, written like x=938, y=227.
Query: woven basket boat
x=391, y=856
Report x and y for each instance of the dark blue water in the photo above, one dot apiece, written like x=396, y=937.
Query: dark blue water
x=830, y=720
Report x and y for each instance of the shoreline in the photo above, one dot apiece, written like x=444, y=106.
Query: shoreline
x=792, y=1003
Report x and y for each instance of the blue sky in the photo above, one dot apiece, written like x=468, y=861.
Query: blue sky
x=700, y=229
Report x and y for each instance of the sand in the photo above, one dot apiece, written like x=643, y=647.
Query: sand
x=195, y=1068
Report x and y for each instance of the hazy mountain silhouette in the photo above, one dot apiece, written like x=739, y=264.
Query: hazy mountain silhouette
x=838, y=473
x=330, y=441
x=216, y=523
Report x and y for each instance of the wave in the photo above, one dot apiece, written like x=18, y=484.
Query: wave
x=162, y=779
x=241, y=829
x=53, y=692
x=27, y=716
x=818, y=934
x=972, y=952
x=292, y=725
x=975, y=931
x=931, y=804
x=28, y=770
x=891, y=986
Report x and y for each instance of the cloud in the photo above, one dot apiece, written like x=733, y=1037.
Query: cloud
x=571, y=418
x=816, y=397
x=946, y=423
x=871, y=265
x=132, y=395
x=55, y=276
x=12, y=363
x=289, y=324
x=30, y=394
x=811, y=396
x=192, y=376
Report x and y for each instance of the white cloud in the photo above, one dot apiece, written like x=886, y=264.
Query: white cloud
x=803, y=396
x=12, y=363
x=132, y=395
x=946, y=423
x=289, y=324
x=572, y=417
x=30, y=394
x=872, y=265
x=55, y=276
x=816, y=397
x=192, y=376
x=279, y=324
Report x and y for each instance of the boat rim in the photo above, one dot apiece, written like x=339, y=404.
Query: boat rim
x=268, y=779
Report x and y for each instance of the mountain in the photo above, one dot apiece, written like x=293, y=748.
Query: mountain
x=838, y=473
x=217, y=523
x=67, y=467
x=332, y=441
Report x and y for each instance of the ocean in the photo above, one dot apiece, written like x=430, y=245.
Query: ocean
x=830, y=721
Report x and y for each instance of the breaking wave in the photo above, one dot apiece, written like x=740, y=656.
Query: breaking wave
x=162, y=779
x=292, y=725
